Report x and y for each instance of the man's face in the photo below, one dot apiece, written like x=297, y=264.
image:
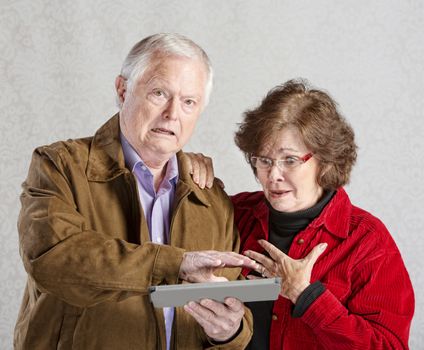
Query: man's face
x=159, y=115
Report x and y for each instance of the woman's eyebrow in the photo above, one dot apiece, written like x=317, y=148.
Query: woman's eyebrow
x=287, y=149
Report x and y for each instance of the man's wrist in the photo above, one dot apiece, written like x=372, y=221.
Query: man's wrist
x=231, y=338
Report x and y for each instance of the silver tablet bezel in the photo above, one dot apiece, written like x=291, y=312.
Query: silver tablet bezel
x=246, y=290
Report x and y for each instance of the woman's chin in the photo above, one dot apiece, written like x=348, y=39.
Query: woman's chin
x=282, y=205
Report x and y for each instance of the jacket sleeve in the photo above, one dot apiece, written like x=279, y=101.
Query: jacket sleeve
x=74, y=263
x=377, y=314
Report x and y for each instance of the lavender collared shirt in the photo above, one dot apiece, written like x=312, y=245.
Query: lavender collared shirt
x=157, y=206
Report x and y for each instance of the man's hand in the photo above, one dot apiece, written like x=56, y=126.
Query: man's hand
x=220, y=321
x=201, y=169
x=200, y=266
x=295, y=274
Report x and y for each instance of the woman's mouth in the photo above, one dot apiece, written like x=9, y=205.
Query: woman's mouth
x=278, y=193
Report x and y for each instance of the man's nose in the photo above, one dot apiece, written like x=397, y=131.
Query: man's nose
x=172, y=109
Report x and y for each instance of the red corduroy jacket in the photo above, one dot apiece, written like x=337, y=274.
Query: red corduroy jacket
x=369, y=300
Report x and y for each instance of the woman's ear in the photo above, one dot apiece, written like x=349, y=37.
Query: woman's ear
x=121, y=88
x=325, y=168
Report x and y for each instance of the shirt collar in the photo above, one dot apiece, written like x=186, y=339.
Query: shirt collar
x=132, y=159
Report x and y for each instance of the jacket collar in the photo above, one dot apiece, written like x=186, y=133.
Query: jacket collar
x=186, y=184
x=106, y=161
x=335, y=215
x=261, y=212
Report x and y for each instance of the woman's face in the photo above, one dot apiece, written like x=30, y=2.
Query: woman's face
x=294, y=189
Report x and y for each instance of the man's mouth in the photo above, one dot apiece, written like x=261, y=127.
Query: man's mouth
x=163, y=131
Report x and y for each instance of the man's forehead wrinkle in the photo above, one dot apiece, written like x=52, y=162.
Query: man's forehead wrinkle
x=159, y=77
x=156, y=69
x=155, y=77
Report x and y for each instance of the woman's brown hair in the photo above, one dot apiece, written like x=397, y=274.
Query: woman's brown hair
x=314, y=114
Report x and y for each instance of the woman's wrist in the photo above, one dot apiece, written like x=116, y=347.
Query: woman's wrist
x=294, y=291
x=306, y=299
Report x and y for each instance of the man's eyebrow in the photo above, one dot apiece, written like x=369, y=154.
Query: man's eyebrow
x=194, y=96
x=167, y=85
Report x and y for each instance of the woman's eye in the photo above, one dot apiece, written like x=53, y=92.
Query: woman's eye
x=263, y=161
x=291, y=160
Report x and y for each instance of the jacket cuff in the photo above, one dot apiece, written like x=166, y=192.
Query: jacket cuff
x=166, y=268
x=308, y=296
x=323, y=311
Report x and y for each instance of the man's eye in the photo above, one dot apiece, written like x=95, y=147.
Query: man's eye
x=189, y=102
x=158, y=93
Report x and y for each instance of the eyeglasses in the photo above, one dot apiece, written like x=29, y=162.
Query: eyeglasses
x=288, y=163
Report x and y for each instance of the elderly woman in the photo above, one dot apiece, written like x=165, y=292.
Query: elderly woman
x=344, y=284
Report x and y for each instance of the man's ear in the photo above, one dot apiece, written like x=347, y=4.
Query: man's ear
x=121, y=88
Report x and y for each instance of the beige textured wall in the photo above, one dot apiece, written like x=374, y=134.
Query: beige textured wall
x=59, y=59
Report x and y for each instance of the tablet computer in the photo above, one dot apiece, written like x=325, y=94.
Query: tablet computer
x=247, y=290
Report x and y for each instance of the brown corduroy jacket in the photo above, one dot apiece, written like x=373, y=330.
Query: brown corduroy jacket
x=86, y=247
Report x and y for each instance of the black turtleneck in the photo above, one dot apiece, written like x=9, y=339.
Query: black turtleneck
x=283, y=227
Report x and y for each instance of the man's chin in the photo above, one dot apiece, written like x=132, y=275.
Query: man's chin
x=165, y=150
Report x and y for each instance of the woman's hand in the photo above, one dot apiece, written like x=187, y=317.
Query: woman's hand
x=295, y=274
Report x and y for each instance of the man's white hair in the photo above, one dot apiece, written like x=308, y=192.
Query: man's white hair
x=172, y=44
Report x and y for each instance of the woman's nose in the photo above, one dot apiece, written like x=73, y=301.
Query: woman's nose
x=275, y=173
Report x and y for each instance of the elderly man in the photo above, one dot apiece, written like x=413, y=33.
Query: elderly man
x=103, y=218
